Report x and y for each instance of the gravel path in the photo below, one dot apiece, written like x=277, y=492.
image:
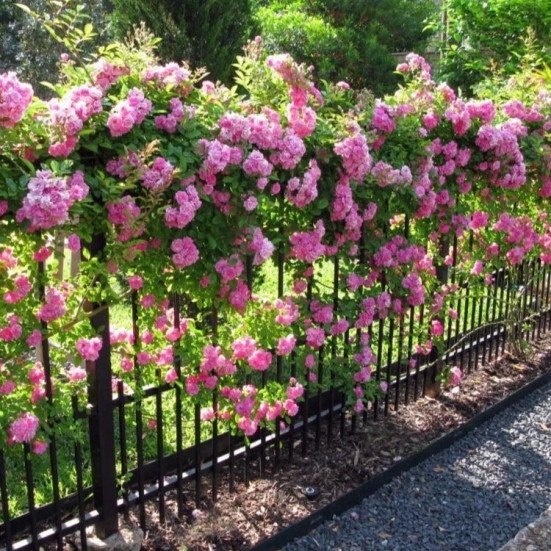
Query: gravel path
x=474, y=496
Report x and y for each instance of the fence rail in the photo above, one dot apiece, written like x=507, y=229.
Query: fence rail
x=130, y=462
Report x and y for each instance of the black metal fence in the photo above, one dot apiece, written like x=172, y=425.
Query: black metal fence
x=141, y=447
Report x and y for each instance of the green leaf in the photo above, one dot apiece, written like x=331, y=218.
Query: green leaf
x=48, y=85
x=28, y=10
x=322, y=203
x=12, y=187
x=91, y=147
x=51, y=30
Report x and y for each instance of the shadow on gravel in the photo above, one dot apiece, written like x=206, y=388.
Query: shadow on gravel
x=474, y=496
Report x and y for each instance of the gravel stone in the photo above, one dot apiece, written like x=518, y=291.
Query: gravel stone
x=474, y=496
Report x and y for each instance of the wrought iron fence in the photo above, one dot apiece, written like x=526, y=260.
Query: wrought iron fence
x=141, y=447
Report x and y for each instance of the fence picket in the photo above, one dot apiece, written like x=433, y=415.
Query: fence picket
x=483, y=328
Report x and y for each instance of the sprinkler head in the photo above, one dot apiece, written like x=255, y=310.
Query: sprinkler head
x=310, y=492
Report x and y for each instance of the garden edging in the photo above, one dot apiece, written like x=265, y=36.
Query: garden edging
x=355, y=496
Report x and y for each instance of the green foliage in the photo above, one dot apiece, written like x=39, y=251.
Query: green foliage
x=530, y=77
x=29, y=47
x=385, y=188
x=203, y=32
x=311, y=38
x=9, y=18
x=397, y=24
x=349, y=40
x=71, y=28
x=481, y=37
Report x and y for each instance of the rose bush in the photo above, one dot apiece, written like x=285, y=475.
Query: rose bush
x=168, y=184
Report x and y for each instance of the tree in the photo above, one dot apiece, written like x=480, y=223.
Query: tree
x=397, y=24
x=481, y=37
x=8, y=17
x=308, y=37
x=350, y=40
x=30, y=50
x=206, y=33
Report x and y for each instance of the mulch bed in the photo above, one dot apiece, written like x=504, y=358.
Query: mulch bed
x=239, y=520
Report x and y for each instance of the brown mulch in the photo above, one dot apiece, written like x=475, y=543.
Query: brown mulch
x=267, y=505
x=239, y=520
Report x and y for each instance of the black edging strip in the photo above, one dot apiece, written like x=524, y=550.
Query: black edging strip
x=355, y=497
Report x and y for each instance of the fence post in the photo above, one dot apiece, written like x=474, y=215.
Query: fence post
x=101, y=423
x=434, y=386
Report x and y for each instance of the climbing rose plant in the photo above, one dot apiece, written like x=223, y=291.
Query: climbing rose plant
x=166, y=184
